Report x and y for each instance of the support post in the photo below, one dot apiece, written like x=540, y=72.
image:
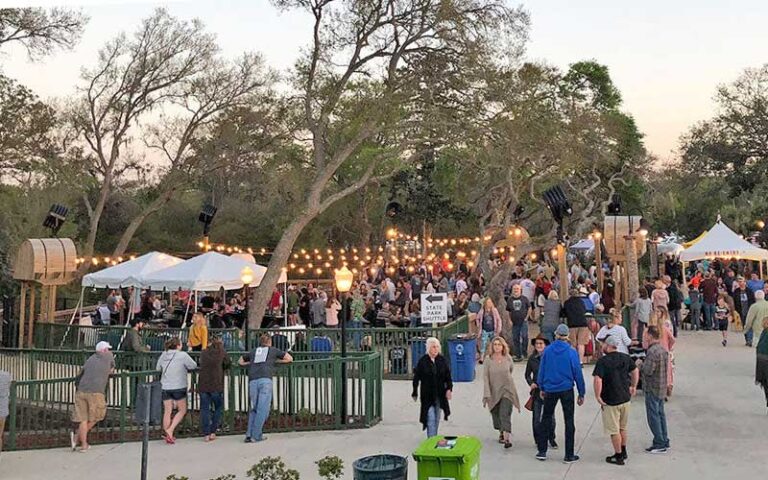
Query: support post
x=562, y=266
x=599, y=261
x=343, y=405
x=145, y=430
x=22, y=313
x=31, y=305
x=654, y=252
x=632, y=272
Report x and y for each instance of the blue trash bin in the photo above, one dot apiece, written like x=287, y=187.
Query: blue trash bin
x=418, y=350
x=462, y=354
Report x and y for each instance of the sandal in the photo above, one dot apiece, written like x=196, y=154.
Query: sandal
x=507, y=444
x=501, y=438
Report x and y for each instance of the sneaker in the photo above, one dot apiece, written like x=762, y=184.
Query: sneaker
x=553, y=445
x=248, y=440
x=541, y=456
x=656, y=450
x=616, y=459
x=571, y=459
x=260, y=439
x=624, y=455
x=725, y=342
x=72, y=441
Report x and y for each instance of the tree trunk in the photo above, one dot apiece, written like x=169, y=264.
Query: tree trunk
x=93, y=228
x=130, y=231
x=280, y=256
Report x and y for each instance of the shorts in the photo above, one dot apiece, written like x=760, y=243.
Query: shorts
x=177, y=395
x=722, y=325
x=579, y=335
x=89, y=407
x=615, y=418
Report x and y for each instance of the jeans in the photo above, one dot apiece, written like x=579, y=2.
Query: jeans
x=486, y=339
x=433, y=420
x=640, y=330
x=674, y=315
x=538, y=427
x=208, y=399
x=520, y=339
x=567, y=401
x=749, y=335
x=709, y=315
x=260, y=392
x=657, y=420
x=696, y=316
x=548, y=333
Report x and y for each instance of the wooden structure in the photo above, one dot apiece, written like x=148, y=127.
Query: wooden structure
x=47, y=263
x=625, y=245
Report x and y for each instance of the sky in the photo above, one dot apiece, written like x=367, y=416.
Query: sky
x=666, y=57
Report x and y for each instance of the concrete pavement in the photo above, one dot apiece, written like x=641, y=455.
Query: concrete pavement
x=717, y=421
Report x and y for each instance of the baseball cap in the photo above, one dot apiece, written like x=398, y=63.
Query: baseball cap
x=562, y=330
x=102, y=346
x=612, y=341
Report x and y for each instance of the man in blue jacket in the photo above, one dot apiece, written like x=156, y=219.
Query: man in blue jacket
x=560, y=369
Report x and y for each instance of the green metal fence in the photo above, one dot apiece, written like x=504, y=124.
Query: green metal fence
x=396, y=345
x=306, y=396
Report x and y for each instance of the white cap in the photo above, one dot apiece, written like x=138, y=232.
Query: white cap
x=103, y=346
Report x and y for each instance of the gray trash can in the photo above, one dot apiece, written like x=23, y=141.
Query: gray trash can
x=381, y=467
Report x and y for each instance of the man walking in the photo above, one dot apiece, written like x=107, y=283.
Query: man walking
x=753, y=322
x=709, y=295
x=518, y=307
x=90, y=400
x=743, y=298
x=615, y=382
x=675, y=302
x=261, y=368
x=654, y=372
x=559, y=371
x=576, y=316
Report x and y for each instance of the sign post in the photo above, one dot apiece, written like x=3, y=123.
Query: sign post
x=434, y=308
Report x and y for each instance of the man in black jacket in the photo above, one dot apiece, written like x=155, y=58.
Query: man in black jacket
x=576, y=315
x=675, y=301
x=743, y=298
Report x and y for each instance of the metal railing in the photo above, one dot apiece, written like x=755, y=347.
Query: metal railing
x=400, y=348
x=306, y=396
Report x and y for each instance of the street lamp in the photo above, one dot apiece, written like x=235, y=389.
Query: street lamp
x=343, y=280
x=246, y=276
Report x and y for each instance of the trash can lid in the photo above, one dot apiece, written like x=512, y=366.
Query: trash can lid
x=447, y=447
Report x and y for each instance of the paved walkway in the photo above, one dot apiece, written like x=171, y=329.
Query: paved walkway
x=717, y=420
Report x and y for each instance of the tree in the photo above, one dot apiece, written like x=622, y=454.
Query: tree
x=353, y=114
x=25, y=128
x=734, y=143
x=167, y=66
x=41, y=31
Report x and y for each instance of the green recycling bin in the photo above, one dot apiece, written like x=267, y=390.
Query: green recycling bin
x=448, y=458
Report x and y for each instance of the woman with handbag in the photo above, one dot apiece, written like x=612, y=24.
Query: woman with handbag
x=535, y=403
x=500, y=393
x=174, y=365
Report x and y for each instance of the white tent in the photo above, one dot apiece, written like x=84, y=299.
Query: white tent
x=722, y=242
x=206, y=272
x=124, y=274
x=586, y=244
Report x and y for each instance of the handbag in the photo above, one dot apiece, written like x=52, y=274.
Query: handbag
x=529, y=404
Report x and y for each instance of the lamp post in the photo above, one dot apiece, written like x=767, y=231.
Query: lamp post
x=343, y=280
x=246, y=276
x=597, y=239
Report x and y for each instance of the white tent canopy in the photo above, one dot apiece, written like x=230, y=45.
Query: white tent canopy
x=586, y=244
x=124, y=274
x=722, y=242
x=206, y=272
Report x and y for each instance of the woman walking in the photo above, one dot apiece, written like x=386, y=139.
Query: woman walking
x=642, y=306
x=213, y=362
x=531, y=374
x=488, y=323
x=432, y=384
x=198, y=333
x=174, y=365
x=500, y=393
x=551, y=317
x=659, y=296
x=761, y=370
